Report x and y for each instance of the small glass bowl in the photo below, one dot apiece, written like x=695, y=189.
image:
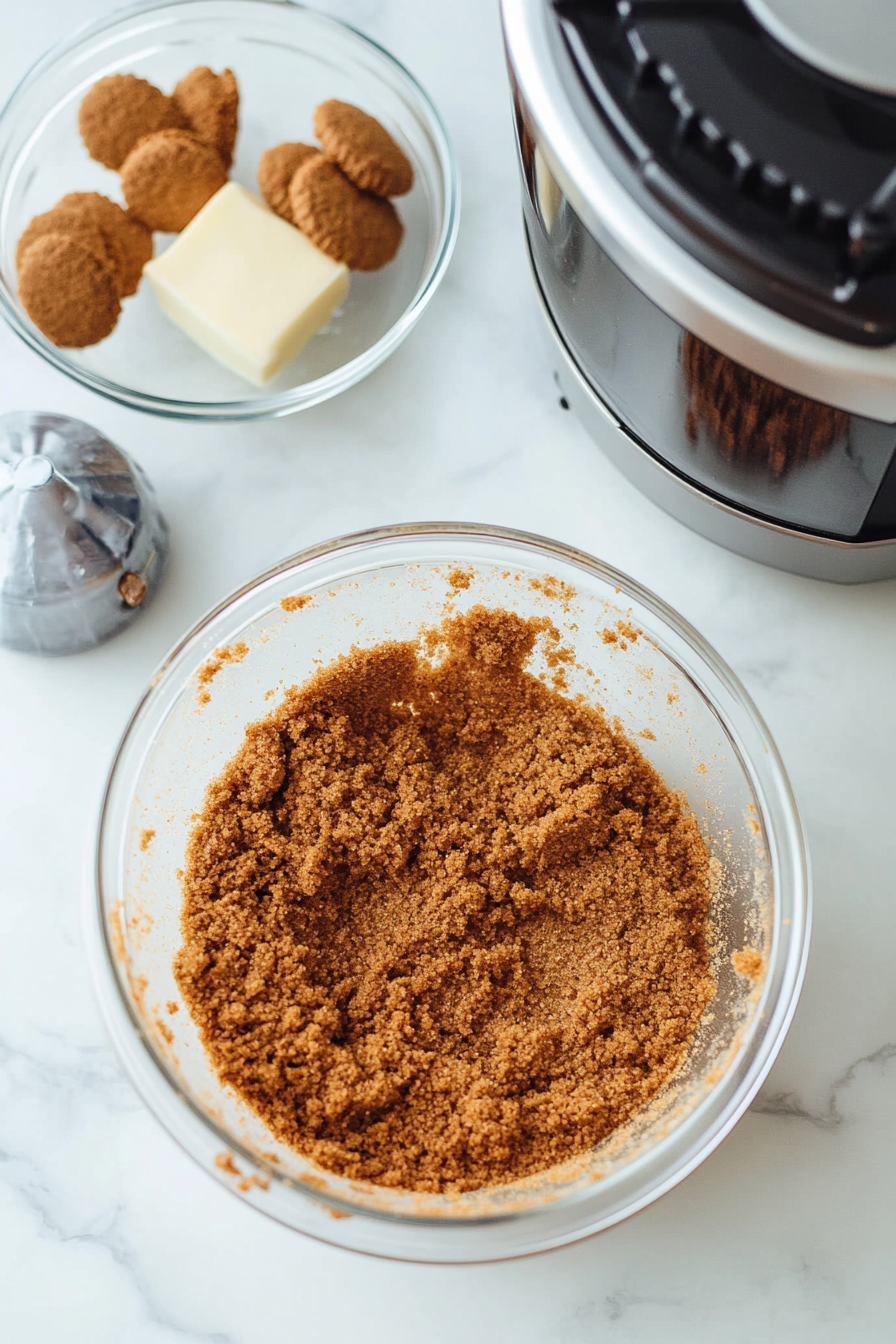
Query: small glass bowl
x=287, y=59
x=667, y=688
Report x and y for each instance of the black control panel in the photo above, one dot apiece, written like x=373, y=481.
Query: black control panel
x=775, y=175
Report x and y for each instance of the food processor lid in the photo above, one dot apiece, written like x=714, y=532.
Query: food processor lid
x=852, y=41
x=773, y=173
x=577, y=149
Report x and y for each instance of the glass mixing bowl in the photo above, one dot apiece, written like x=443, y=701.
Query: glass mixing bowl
x=287, y=59
x=704, y=736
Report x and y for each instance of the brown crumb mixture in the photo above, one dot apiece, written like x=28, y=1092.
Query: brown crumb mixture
x=553, y=588
x=444, y=928
x=164, y=1031
x=624, y=634
x=748, y=963
x=230, y=653
x=459, y=579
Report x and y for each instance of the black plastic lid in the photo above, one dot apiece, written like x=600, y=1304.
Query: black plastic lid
x=778, y=177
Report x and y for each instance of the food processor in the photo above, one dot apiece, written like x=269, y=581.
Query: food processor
x=709, y=197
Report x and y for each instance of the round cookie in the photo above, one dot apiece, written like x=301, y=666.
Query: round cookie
x=275, y=172
x=168, y=177
x=128, y=240
x=81, y=229
x=68, y=293
x=350, y=225
x=118, y=111
x=209, y=103
x=364, y=150
x=137, y=237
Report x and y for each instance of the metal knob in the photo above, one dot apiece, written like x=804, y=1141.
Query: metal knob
x=82, y=541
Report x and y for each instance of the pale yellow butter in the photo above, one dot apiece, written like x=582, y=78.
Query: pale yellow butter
x=245, y=285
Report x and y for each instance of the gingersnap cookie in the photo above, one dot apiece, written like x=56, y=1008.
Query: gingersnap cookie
x=209, y=103
x=168, y=177
x=56, y=221
x=118, y=111
x=128, y=240
x=67, y=291
x=350, y=225
x=275, y=172
x=364, y=150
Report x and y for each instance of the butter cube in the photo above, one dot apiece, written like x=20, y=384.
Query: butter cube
x=245, y=285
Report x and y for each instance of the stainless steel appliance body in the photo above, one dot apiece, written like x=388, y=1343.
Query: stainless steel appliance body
x=734, y=353
x=82, y=541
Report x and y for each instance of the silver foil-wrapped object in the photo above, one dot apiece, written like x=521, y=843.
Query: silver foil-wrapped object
x=82, y=541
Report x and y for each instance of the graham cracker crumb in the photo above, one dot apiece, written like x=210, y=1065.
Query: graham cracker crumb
x=748, y=963
x=233, y=653
x=552, y=587
x=443, y=928
x=623, y=634
x=459, y=578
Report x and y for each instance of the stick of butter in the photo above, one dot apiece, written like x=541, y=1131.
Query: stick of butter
x=245, y=285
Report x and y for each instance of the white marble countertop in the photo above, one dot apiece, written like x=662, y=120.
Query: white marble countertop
x=109, y=1233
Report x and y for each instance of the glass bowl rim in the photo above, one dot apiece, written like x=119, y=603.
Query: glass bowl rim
x=305, y=395
x=776, y=1018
